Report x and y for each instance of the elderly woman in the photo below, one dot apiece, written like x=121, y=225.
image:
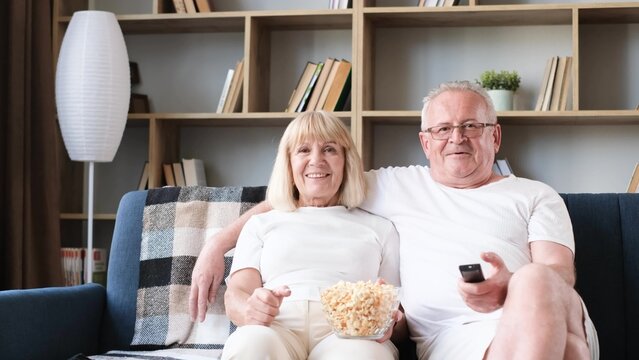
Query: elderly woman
x=314, y=237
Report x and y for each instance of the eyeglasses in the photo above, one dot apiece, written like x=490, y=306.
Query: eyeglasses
x=469, y=130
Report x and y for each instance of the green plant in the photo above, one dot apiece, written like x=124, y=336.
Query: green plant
x=503, y=80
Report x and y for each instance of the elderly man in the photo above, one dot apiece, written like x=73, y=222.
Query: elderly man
x=458, y=211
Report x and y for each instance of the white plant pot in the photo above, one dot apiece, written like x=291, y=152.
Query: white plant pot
x=502, y=99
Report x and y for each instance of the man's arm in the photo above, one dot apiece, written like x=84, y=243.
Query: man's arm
x=556, y=256
x=208, y=271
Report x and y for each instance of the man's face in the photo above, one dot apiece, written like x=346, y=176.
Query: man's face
x=460, y=161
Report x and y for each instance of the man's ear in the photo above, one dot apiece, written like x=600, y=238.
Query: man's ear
x=424, y=140
x=497, y=137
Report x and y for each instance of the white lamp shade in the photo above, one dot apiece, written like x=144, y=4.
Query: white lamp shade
x=93, y=86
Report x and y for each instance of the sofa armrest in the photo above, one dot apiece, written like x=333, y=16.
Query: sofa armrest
x=51, y=323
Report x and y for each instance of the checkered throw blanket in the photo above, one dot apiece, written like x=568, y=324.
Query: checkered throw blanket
x=176, y=224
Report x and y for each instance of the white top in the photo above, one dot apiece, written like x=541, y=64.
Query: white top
x=315, y=247
x=442, y=227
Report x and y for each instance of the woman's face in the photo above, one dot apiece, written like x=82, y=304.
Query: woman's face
x=318, y=170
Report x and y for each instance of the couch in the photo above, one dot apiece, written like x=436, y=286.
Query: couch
x=56, y=323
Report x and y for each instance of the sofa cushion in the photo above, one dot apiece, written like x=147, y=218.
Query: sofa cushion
x=176, y=224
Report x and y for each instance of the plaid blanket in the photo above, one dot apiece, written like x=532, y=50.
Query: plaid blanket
x=176, y=224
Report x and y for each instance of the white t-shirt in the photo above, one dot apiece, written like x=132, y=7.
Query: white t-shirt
x=442, y=227
x=314, y=247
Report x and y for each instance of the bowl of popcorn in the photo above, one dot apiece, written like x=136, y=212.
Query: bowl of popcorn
x=360, y=310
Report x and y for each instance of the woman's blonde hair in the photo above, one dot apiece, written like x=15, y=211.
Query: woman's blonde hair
x=282, y=194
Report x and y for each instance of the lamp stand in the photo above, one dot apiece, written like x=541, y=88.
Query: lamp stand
x=89, y=256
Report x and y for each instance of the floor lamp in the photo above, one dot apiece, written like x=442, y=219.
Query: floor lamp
x=92, y=91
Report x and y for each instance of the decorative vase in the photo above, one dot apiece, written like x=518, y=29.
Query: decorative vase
x=502, y=99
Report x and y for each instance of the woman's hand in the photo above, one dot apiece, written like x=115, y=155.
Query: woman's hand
x=399, y=324
x=263, y=305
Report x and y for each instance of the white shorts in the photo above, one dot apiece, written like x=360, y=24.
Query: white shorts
x=470, y=341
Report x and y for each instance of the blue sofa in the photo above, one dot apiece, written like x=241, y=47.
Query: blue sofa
x=56, y=323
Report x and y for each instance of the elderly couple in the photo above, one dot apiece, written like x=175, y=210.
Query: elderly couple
x=325, y=220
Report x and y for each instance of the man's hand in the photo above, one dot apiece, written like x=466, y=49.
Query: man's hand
x=207, y=276
x=488, y=295
x=263, y=305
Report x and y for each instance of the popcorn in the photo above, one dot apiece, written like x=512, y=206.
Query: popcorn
x=361, y=309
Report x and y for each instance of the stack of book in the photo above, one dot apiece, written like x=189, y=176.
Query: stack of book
x=554, y=90
x=188, y=172
x=322, y=86
x=231, y=97
x=73, y=265
x=192, y=6
x=437, y=3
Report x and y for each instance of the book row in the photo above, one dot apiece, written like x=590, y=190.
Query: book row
x=555, y=87
x=74, y=265
x=437, y=3
x=231, y=97
x=188, y=172
x=193, y=6
x=322, y=86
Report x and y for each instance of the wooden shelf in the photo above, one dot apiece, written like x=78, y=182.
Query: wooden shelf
x=470, y=16
x=584, y=117
x=84, y=216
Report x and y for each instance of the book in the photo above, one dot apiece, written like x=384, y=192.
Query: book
x=496, y=168
x=327, y=86
x=565, y=89
x=344, y=4
x=194, y=174
x=301, y=86
x=144, y=177
x=549, y=85
x=340, y=88
x=544, y=85
x=633, y=184
x=225, y=91
x=190, y=6
x=169, y=179
x=319, y=85
x=178, y=173
x=235, y=93
x=180, y=8
x=311, y=85
x=558, y=83
x=504, y=167
x=203, y=6
x=421, y=3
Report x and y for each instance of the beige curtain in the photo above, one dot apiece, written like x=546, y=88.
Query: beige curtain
x=29, y=175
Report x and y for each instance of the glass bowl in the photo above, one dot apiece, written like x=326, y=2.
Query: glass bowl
x=360, y=310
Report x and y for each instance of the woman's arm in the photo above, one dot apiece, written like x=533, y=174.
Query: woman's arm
x=247, y=302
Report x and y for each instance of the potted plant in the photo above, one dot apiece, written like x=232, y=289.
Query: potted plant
x=501, y=87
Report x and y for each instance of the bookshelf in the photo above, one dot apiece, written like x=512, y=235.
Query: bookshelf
x=398, y=52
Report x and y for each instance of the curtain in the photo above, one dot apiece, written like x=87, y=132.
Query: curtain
x=29, y=171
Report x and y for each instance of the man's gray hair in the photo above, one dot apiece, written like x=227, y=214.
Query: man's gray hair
x=464, y=85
